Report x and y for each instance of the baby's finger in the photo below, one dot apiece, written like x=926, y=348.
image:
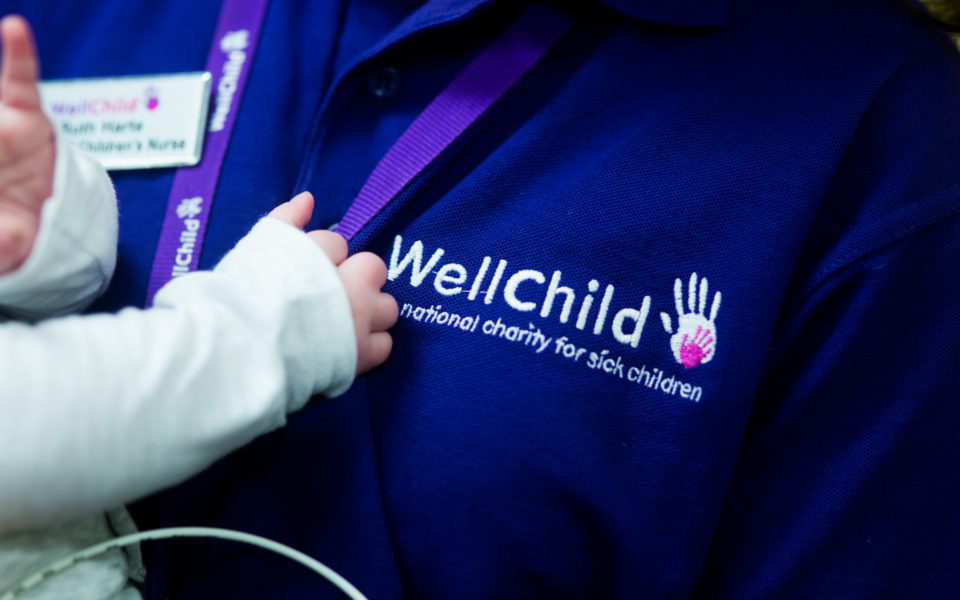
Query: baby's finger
x=367, y=267
x=379, y=346
x=296, y=212
x=19, y=69
x=385, y=313
x=331, y=243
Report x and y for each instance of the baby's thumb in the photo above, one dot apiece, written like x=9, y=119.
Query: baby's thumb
x=19, y=68
x=296, y=212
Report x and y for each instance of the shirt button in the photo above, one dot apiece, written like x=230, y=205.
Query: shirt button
x=384, y=82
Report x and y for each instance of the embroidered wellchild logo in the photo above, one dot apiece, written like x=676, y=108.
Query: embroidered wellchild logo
x=695, y=341
x=525, y=290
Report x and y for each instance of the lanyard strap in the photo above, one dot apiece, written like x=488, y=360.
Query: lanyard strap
x=455, y=109
x=191, y=197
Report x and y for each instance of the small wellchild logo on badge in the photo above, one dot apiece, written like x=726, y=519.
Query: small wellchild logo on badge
x=152, y=98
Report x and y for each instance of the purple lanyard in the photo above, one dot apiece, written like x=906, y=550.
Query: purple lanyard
x=191, y=197
x=457, y=107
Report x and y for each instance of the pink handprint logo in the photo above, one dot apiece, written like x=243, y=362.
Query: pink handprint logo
x=695, y=340
x=152, y=97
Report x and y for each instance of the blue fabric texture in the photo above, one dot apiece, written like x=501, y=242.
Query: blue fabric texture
x=586, y=424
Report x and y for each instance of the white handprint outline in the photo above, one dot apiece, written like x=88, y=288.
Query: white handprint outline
x=190, y=208
x=695, y=341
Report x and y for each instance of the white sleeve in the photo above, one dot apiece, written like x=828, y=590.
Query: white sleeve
x=99, y=410
x=76, y=248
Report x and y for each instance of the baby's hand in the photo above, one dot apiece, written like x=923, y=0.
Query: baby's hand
x=363, y=276
x=27, y=146
x=374, y=312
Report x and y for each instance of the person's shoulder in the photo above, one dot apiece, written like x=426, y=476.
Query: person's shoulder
x=862, y=31
x=897, y=179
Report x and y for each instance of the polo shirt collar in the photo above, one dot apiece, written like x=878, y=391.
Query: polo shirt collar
x=677, y=13
x=682, y=13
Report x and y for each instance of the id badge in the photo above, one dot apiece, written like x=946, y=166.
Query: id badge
x=132, y=122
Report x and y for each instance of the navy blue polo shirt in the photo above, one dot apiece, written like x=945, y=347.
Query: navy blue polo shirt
x=679, y=314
